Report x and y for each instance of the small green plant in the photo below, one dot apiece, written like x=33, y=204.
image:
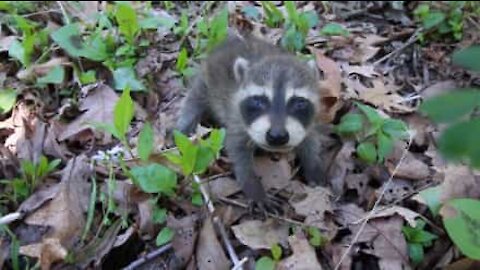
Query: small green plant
x=182, y=27
x=14, y=247
x=8, y=97
x=417, y=239
x=334, y=29
x=24, y=51
x=297, y=26
x=440, y=23
x=211, y=32
x=267, y=262
x=375, y=135
x=273, y=16
x=182, y=64
x=31, y=174
x=316, y=237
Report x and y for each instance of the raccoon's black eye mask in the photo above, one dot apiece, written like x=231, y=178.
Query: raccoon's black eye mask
x=300, y=108
x=253, y=107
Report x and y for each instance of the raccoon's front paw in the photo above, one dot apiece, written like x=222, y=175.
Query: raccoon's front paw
x=315, y=176
x=265, y=207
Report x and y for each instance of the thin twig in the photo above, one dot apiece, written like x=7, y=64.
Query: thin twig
x=409, y=42
x=9, y=218
x=150, y=256
x=42, y=12
x=64, y=12
x=375, y=206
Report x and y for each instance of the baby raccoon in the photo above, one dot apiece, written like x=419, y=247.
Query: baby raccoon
x=264, y=97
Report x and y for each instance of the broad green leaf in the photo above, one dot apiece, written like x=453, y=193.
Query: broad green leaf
x=276, y=252
x=17, y=51
x=367, y=152
x=395, y=128
x=125, y=77
x=350, y=123
x=123, y=113
x=422, y=10
x=173, y=157
x=68, y=38
x=460, y=141
x=21, y=187
x=316, y=238
x=265, y=263
x=216, y=139
x=451, y=106
x=251, y=12
x=293, y=40
x=291, y=11
x=274, y=17
x=127, y=21
x=159, y=215
x=218, y=29
x=433, y=19
x=182, y=60
x=463, y=226
x=8, y=97
x=95, y=48
x=188, y=150
x=155, y=178
x=468, y=58
x=197, y=199
x=154, y=22
x=424, y=237
x=145, y=142
x=204, y=158
x=88, y=77
x=53, y=165
x=415, y=251
x=334, y=29
x=431, y=196
x=372, y=115
x=165, y=236
x=54, y=76
x=310, y=17
x=385, y=146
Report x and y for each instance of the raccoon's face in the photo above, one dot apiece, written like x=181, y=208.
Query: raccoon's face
x=278, y=101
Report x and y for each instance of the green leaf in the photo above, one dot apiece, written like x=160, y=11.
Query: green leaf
x=17, y=51
x=310, y=17
x=422, y=10
x=218, y=29
x=165, y=236
x=415, y=251
x=155, y=178
x=204, y=158
x=334, y=29
x=433, y=19
x=53, y=165
x=463, y=226
x=451, y=106
x=468, y=58
x=293, y=40
x=372, y=115
x=55, y=76
x=125, y=77
x=432, y=198
x=95, y=48
x=291, y=11
x=367, y=152
x=216, y=139
x=274, y=17
x=123, y=113
x=8, y=97
x=127, y=21
x=316, y=238
x=155, y=22
x=350, y=123
x=188, y=151
x=173, y=157
x=182, y=60
x=385, y=146
x=88, y=77
x=395, y=128
x=145, y=142
x=265, y=263
x=460, y=141
x=276, y=252
x=68, y=38
x=159, y=215
x=197, y=199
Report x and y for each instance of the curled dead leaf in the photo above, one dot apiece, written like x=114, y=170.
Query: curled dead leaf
x=49, y=251
x=303, y=257
x=261, y=235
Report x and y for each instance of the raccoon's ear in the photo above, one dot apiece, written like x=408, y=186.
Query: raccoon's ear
x=313, y=66
x=240, y=67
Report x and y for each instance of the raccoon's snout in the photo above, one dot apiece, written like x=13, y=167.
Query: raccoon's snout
x=277, y=137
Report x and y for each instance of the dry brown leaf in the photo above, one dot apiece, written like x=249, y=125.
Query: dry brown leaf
x=410, y=168
x=359, y=184
x=209, y=252
x=330, y=87
x=38, y=198
x=314, y=202
x=304, y=256
x=396, y=191
x=464, y=264
x=460, y=182
x=421, y=127
x=367, y=71
x=5, y=42
x=38, y=70
x=261, y=235
x=98, y=107
x=341, y=166
x=65, y=212
x=381, y=94
x=49, y=251
x=273, y=174
x=222, y=187
x=183, y=241
x=406, y=213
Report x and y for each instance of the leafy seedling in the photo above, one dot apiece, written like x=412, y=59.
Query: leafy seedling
x=417, y=239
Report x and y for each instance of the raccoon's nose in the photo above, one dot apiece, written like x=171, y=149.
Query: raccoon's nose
x=277, y=137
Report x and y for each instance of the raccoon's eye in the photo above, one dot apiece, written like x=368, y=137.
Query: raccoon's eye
x=299, y=104
x=257, y=103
